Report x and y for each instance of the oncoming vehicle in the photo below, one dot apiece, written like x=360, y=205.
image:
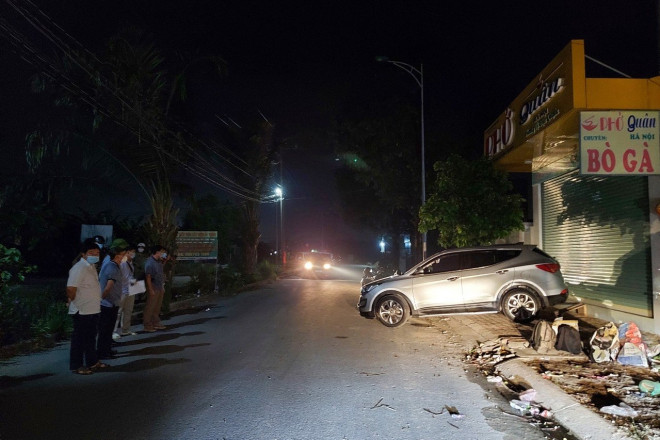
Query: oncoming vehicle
x=517, y=280
x=316, y=263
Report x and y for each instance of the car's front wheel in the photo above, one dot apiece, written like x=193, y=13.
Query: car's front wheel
x=392, y=311
x=520, y=305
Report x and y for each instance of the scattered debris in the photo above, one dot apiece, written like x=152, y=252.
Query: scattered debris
x=650, y=387
x=528, y=395
x=621, y=409
x=494, y=351
x=454, y=412
x=434, y=412
x=379, y=404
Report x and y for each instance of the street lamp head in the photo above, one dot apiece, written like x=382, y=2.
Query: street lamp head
x=382, y=59
x=278, y=191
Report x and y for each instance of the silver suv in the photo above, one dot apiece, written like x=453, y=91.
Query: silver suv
x=517, y=280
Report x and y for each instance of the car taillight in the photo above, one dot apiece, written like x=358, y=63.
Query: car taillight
x=550, y=267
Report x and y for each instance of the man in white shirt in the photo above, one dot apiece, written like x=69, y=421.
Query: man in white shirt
x=84, y=294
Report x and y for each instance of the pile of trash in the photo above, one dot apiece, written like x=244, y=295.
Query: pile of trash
x=524, y=405
x=614, y=371
x=623, y=345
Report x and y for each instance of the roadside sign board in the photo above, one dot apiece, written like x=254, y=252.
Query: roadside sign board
x=197, y=245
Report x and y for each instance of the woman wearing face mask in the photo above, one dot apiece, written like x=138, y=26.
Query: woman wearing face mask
x=84, y=294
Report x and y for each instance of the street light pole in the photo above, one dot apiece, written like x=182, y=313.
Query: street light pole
x=282, y=230
x=279, y=194
x=418, y=75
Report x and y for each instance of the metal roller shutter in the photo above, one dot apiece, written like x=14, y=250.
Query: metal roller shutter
x=598, y=229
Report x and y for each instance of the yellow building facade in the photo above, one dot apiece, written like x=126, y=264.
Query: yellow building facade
x=592, y=147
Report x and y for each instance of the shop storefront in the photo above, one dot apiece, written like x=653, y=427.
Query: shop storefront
x=592, y=146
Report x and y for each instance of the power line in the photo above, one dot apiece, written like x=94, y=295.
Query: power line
x=199, y=166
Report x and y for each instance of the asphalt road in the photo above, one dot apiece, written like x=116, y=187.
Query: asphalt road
x=292, y=360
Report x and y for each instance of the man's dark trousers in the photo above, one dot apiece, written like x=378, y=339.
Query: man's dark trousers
x=106, y=327
x=83, y=341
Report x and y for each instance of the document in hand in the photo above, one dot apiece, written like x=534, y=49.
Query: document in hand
x=136, y=288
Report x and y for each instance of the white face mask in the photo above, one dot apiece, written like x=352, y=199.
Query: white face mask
x=124, y=260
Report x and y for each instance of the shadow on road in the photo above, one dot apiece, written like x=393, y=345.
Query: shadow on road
x=193, y=310
x=158, y=349
x=142, y=365
x=163, y=337
x=11, y=381
x=193, y=322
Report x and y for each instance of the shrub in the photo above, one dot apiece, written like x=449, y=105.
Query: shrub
x=15, y=311
x=55, y=322
x=202, y=278
x=230, y=281
x=266, y=271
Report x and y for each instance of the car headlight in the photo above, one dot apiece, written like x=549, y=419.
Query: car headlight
x=326, y=266
x=308, y=265
x=367, y=288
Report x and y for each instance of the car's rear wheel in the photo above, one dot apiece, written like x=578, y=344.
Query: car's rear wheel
x=392, y=311
x=520, y=305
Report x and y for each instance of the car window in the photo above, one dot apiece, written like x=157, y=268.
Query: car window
x=506, y=254
x=475, y=259
x=539, y=251
x=444, y=263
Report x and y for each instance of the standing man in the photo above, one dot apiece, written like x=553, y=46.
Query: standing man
x=110, y=280
x=84, y=294
x=155, y=282
x=127, y=300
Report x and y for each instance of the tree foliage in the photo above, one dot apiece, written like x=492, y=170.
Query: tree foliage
x=471, y=203
x=208, y=213
x=254, y=142
x=379, y=182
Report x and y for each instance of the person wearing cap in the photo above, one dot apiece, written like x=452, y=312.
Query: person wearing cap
x=154, y=278
x=110, y=280
x=84, y=295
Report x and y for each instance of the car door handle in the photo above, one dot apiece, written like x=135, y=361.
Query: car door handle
x=452, y=278
x=501, y=272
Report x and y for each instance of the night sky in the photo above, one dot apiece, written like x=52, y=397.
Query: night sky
x=295, y=61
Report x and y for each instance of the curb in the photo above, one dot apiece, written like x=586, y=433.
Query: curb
x=571, y=414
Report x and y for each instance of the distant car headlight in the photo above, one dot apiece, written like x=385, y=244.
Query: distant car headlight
x=308, y=265
x=326, y=266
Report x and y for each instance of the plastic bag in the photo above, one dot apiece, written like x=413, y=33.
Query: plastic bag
x=605, y=343
x=632, y=354
x=633, y=350
x=621, y=409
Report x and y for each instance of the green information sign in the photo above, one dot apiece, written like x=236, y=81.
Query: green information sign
x=197, y=245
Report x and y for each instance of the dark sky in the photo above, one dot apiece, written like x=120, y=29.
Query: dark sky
x=293, y=61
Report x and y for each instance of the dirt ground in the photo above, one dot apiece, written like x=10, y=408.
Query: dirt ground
x=595, y=385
